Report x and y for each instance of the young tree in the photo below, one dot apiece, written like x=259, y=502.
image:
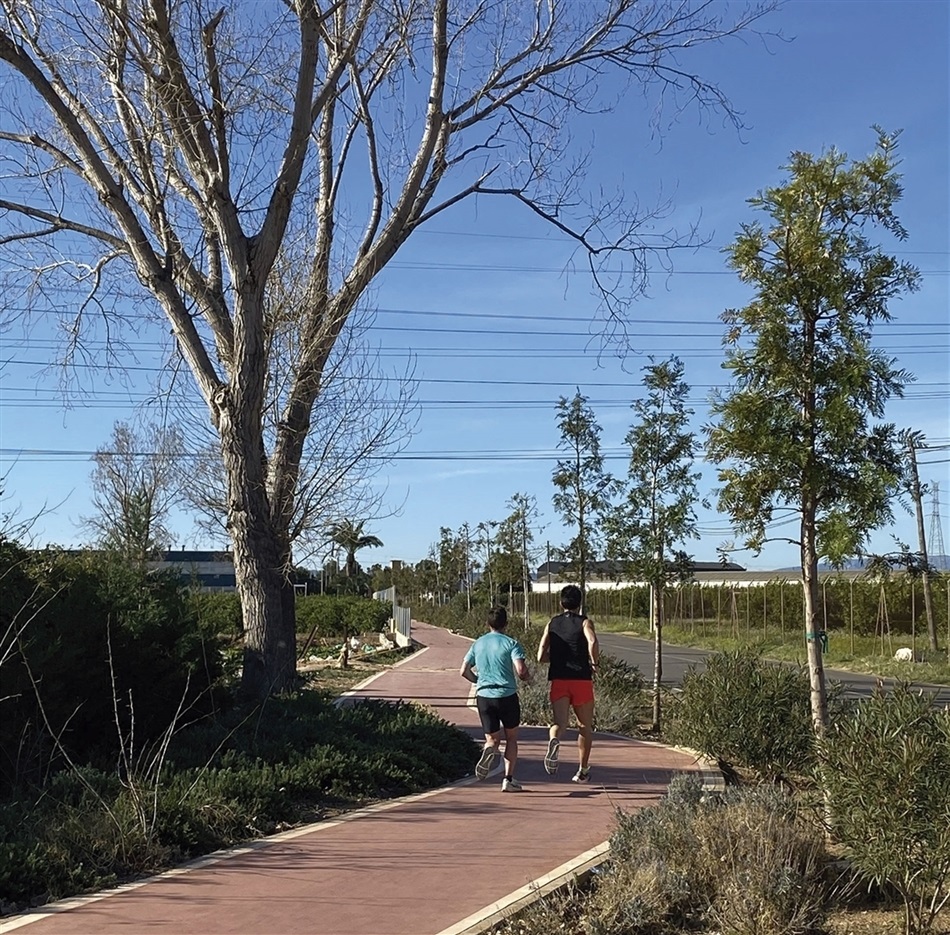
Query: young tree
x=486, y=531
x=183, y=148
x=515, y=546
x=583, y=487
x=658, y=510
x=136, y=481
x=795, y=431
x=452, y=558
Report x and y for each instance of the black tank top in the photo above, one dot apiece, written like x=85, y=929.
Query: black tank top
x=569, y=653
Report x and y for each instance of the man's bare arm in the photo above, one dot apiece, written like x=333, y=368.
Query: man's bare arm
x=467, y=673
x=593, y=646
x=522, y=670
x=544, y=646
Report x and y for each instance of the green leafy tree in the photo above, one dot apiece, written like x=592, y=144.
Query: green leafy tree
x=451, y=551
x=583, y=487
x=658, y=508
x=795, y=433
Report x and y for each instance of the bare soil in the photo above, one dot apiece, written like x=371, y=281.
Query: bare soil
x=877, y=922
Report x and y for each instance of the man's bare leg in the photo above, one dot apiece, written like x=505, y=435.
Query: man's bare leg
x=561, y=711
x=511, y=751
x=585, y=732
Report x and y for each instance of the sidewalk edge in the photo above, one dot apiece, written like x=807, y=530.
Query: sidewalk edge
x=524, y=896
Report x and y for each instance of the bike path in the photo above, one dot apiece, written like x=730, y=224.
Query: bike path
x=440, y=863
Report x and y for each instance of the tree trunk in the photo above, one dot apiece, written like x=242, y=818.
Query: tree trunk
x=814, y=628
x=261, y=560
x=657, y=654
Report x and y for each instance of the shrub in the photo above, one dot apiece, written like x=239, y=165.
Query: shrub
x=217, y=612
x=328, y=616
x=887, y=768
x=106, y=642
x=746, y=712
x=745, y=862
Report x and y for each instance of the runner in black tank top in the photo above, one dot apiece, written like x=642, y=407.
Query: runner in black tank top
x=569, y=646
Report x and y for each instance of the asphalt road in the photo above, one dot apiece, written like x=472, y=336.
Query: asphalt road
x=677, y=659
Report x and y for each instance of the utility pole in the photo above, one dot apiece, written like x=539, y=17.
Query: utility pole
x=912, y=440
x=468, y=570
x=526, y=574
x=935, y=537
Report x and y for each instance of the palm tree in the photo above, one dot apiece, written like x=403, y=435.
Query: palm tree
x=348, y=534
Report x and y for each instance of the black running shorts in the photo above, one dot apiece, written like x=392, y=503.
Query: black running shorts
x=498, y=712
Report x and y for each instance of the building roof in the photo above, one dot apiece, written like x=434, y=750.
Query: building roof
x=609, y=569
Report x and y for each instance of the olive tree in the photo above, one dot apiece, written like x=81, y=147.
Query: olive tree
x=167, y=149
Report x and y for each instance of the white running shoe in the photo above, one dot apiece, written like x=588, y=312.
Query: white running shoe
x=510, y=784
x=550, y=758
x=486, y=761
x=582, y=775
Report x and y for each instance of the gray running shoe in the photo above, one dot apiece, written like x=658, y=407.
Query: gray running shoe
x=550, y=758
x=486, y=761
x=510, y=784
x=582, y=775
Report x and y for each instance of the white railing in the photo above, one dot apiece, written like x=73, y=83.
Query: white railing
x=401, y=620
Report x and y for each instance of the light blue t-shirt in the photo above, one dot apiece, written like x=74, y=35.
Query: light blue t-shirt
x=493, y=657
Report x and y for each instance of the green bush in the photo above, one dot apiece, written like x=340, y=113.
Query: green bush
x=744, y=711
x=887, y=769
x=108, y=649
x=745, y=863
x=328, y=616
x=217, y=612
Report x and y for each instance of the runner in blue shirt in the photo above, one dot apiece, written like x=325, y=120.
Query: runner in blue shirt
x=494, y=663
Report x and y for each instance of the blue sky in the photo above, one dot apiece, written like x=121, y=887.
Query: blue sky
x=508, y=326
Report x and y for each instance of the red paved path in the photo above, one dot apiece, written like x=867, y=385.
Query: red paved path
x=416, y=866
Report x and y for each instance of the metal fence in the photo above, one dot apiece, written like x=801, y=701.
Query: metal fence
x=401, y=620
x=849, y=606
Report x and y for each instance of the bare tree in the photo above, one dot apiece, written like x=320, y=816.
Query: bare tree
x=136, y=481
x=359, y=420
x=186, y=143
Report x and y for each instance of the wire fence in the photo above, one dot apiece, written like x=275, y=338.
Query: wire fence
x=890, y=610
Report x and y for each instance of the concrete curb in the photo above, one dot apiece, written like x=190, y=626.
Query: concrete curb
x=574, y=870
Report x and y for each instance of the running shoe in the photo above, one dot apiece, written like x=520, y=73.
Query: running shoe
x=550, y=758
x=582, y=775
x=486, y=761
x=510, y=784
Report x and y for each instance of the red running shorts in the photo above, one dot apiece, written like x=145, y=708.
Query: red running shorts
x=579, y=691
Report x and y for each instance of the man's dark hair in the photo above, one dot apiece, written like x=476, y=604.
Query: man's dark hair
x=498, y=618
x=571, y=597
